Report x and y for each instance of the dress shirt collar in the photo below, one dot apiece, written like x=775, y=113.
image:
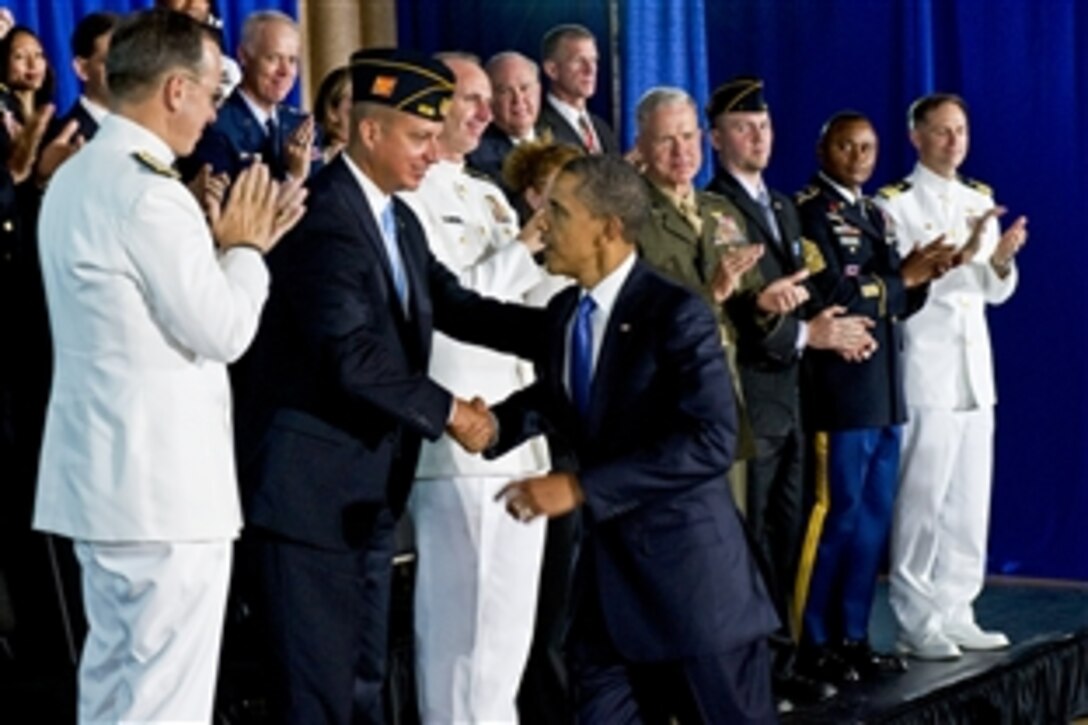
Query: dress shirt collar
x=752, y=191
x=259, y=113
x=604, y=293
x=375, y=197
x=569, y=113
x=850, y=196
x=926, y=178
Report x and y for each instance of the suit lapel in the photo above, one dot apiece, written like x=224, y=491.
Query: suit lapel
x=622, y=327
x=353, y=198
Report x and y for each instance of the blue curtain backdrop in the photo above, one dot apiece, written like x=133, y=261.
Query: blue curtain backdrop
x=1023, y=73
x=663, y=44
x=54, y=21
x=1021, y=69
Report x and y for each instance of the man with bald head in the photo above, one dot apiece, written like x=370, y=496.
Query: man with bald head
x=342, y=398
x=477, y=570
x=515, y=108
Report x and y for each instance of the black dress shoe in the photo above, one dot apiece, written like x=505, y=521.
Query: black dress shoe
x=869, y=663
x=824, y=664
x=801, y=690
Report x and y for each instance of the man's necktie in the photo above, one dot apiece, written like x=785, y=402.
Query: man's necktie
x=581, y=353
x=764, y=200
x=690, y=211
x=392, y=250
x=273, y=144
x=588, y=137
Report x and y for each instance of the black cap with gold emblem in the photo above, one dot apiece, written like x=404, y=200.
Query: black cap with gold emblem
x=402, y=79
x=743, y=93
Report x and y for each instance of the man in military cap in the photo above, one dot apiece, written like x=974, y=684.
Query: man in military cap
x=942, y=510
x=772, y=332
x=854, y=411
x=147, y=305
x=477, y=571
x=341, y=400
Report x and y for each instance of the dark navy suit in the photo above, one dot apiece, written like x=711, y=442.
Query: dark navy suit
x=331, y=418
x=768, y=361
x=88, y=127
x=233, y=141
x=853, y=411
x=563, y=132
x=668, y=597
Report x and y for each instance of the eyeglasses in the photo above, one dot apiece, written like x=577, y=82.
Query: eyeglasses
x=215, y=95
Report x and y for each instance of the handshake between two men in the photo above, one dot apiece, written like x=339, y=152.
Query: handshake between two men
x=475, y=428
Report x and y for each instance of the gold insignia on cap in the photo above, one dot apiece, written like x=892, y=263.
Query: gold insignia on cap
x=748, y=87
x=159, y=167
x=383, y=86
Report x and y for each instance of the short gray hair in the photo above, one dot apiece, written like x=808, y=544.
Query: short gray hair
x=657, y=97
x=508, y=55
x=257, y=20
x=610, y=187
x=148, y=45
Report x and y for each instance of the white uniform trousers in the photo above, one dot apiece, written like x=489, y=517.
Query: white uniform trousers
x=475, y=599
x=155, y=612
x=942, y=514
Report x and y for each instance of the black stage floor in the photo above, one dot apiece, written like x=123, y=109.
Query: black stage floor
x=1042, y=678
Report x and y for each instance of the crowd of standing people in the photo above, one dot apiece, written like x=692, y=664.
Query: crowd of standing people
x=654, y=440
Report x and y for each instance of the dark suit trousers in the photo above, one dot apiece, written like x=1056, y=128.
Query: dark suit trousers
x=730, y=687
x=775, y=510
x=328, y=614
x=544, y=697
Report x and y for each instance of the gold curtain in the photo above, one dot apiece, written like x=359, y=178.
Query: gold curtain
x=333, y=29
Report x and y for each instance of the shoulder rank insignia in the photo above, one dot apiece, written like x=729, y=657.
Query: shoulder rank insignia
x=893, y=190
x=977, y=185
x=809, y=192
x=498, y=211
x=814, y=258
x=160, y=168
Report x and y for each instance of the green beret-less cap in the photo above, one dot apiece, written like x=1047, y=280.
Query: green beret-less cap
x=743, y=93
x=402, y=79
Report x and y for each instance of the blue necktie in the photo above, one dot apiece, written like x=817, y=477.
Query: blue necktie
x=764, y=200
x=396, y=264
x=581, y=353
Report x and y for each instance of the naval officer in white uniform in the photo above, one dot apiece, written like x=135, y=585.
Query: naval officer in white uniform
x=942, y=511
x=146, y=310
x=478, y=569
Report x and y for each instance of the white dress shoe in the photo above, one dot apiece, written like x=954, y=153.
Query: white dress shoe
x=930, y=646
x=970, y=636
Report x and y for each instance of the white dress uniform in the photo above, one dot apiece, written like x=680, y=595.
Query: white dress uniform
x=137, y=464
x=478, y=569
x=941, y=519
